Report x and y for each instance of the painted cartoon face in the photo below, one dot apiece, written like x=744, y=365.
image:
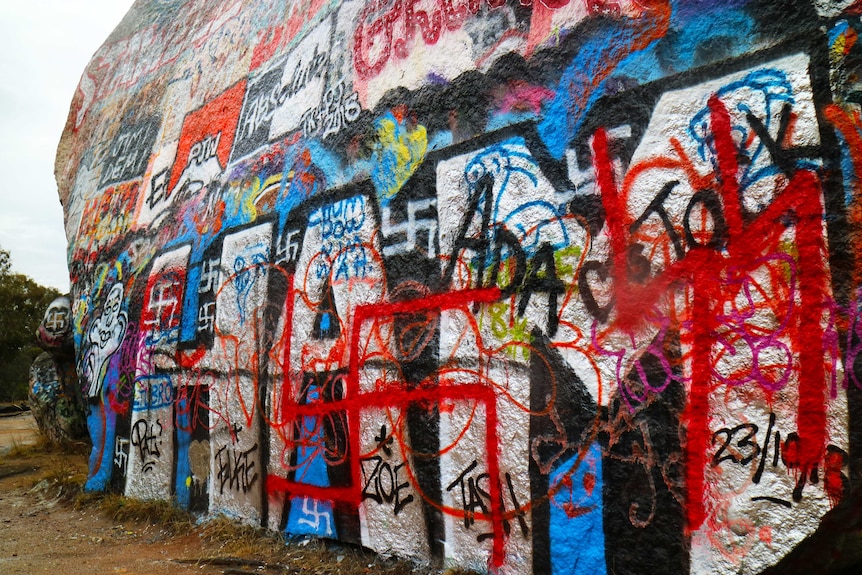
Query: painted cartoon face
x=106, y=326
x=105, y=337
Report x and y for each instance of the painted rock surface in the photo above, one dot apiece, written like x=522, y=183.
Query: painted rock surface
x=55, y=399
x=561, y=286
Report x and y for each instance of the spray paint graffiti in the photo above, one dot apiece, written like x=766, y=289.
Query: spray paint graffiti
x=103, y=339
x=506, y=286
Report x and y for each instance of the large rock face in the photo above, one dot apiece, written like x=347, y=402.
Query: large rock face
x=565, y=286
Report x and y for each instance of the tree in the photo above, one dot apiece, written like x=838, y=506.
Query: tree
x=22, y=305
x=5, y=262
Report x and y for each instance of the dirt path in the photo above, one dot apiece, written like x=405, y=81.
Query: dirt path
x=16, y=430
x=42, y=532
x=40, y=537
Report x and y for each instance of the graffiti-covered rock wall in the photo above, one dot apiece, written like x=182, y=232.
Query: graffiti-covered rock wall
x=561, y=286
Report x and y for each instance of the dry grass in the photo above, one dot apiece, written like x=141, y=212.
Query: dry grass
x=55, y=470
x=163, y=514
x=60, y=472
x=63, y=479
x=44, y=446
x=234, y=538
x=24, y=451
x=236, y=545
x=266, y=549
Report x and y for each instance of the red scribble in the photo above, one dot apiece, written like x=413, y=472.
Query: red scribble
x=834, y=481
x=390, y=396
x=287, y=397
x=188, y=360
x=589, y=483
x=703, y=268
x=395, y=31
x=478, y=392
x=765, y=534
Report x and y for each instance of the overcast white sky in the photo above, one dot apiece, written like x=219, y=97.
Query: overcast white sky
x=44, y=47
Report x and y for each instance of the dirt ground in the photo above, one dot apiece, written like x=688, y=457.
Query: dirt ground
x=47, y=527
x=42, y=534
x=41, y=531
x=16, y=430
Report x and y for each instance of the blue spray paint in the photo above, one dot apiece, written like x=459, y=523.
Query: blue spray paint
x=576, y=92
x=576, y=529
x=729, y=31
x=310, y=516
x=184, y=439
x=102, y=426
